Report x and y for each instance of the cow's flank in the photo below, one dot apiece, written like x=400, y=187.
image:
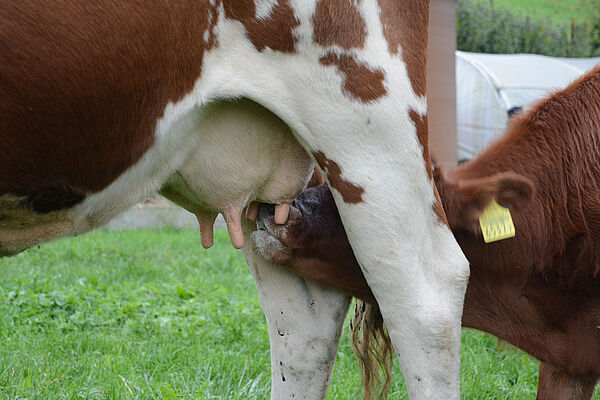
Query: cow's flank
x=70, y=127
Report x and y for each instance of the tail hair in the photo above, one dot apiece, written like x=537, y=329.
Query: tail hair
x=372, y=345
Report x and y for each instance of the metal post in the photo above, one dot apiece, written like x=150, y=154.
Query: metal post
x=441, y=81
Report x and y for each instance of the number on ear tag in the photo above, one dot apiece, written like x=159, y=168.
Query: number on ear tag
x=496, y=223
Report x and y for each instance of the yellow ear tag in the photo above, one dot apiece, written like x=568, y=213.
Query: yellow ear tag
x=496, y=223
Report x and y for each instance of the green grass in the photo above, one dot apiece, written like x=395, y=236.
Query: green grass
x=151, y=315
x=559, y=11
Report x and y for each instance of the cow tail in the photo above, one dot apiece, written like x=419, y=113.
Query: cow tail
x=373, y=347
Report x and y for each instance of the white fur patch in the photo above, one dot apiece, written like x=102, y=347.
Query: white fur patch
x=264, y=8
x=305, y=322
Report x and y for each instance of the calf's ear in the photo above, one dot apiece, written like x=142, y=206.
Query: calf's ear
x=513, y=190
x=470, y=197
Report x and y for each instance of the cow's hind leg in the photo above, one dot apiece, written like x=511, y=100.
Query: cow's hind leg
x=558, y=384
x=304, y=323
x=358, y=114
x=408, y=255
x=420, y=292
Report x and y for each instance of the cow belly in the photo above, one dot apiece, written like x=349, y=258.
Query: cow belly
x=21, y=228
x=245, y=154
x=234, y=153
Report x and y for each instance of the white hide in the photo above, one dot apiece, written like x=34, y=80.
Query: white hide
x=304, y=321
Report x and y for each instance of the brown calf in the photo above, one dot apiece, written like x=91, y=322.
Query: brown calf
x=540, y=290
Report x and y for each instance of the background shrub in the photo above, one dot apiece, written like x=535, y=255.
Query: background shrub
x=483, y=28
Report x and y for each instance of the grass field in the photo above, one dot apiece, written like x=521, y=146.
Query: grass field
x=559, y=11
x=151, y=315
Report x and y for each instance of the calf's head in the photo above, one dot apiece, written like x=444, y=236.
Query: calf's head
x=313, y=242
x=465, y=198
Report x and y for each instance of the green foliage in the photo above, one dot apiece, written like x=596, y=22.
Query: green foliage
x=560, y=12
x=595, y=36
x=486, y=29
x=151, y=315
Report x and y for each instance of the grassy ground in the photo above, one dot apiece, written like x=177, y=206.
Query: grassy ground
x=150, y=315
x=559, y=11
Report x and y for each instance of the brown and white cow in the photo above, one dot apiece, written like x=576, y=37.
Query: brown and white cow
x=539, y=290
x=103, y=103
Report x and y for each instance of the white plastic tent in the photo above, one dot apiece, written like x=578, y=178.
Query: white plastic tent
x=488, y=85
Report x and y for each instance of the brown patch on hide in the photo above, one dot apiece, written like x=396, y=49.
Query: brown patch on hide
x=405, y=27
x=360, y=81
x=421, y=125
x=350, y=192
x=83, y=85
x=274, y=32
x=438, y=208
x=316, y=179
x=339, y=23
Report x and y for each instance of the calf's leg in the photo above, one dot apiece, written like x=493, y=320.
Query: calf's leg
x=558, y=384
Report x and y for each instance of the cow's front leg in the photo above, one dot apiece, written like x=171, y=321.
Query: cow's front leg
x=304, y=323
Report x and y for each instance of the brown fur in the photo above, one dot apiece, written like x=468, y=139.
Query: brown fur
x=554, y=383
x=331, y=21
x=274, y=32
x=361, y=82
x=405, y=28
x=421, y=125
x=540, y=290
x=349, y=191
x=316, y=179
x=79, y=107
